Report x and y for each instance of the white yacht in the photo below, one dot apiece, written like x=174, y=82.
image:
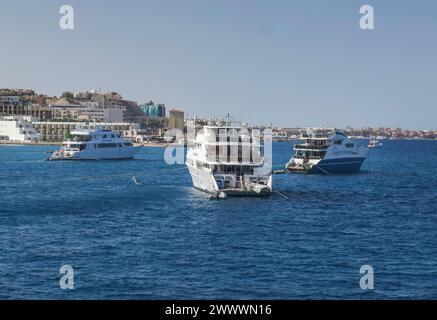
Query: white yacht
x=326, y=151
x=223, y=162
x=95, y=145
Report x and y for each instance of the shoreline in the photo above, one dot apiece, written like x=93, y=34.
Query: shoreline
x=162, y=145
x=366, y=138
x=46, y=143
x=21, y=143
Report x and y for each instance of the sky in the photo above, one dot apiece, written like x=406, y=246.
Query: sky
x=287, y=63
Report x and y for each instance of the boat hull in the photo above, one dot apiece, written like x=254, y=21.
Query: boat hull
x=337, y=166
x=245, y=193
x=203, y=180
x=108, y=154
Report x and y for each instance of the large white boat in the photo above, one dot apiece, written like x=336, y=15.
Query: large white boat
x=95, y=145
x=326, y=151
x=221, y=164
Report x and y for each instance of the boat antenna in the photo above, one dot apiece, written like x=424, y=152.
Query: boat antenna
x=228, y=120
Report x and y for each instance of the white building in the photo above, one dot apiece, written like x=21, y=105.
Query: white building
x=89, y=110
x=112, y=113
x=56, y=131
x=18, y=128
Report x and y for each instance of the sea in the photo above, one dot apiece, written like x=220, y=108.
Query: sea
x=161, y=239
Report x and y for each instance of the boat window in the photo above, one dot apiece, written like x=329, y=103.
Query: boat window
x=78, y=146
x=81, y=138
x=104, y=136
x=112, y=136
x=106, y=145
x=338, y=141
x=349, y=145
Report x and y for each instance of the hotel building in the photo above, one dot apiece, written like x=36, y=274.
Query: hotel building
x=18, y=128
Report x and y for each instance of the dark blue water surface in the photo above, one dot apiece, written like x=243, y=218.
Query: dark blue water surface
x=165, y=240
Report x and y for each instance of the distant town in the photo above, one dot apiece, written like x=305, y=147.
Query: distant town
x=27, y=116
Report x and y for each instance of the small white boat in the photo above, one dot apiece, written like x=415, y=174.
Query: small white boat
x=95, y=145
x=374, y=143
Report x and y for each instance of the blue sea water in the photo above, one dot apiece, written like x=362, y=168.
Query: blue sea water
x=165, y=240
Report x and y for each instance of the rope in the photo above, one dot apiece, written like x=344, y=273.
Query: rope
x=322, y=170
x=282, y=195
x=135, y=181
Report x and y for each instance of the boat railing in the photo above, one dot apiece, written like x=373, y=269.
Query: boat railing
x=307, y=158
x=326, y=134
x=310, y=147
x=239, y=159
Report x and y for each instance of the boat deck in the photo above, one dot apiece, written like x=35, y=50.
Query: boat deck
x=299, y=169
x=237, y=192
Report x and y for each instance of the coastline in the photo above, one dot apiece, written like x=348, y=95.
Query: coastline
x=16, y=143
x=367, y=138
x=155, y=145
x=45, y=143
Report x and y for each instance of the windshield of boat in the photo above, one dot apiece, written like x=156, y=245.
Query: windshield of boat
x=80, y=137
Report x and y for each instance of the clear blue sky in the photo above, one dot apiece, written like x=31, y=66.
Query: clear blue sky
x=290, y=63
